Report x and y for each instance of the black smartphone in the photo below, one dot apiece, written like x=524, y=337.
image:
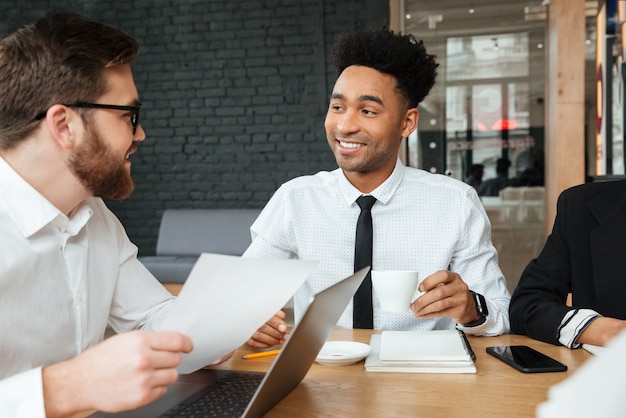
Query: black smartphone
x=526, y=359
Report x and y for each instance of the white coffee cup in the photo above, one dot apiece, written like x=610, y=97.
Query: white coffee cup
x=395, y=289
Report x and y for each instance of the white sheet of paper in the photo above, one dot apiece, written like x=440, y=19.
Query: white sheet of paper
x=226, y=299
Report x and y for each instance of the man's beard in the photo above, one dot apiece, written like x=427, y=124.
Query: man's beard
x=97, y=167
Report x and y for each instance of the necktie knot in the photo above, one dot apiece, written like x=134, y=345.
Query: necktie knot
x=366, y=202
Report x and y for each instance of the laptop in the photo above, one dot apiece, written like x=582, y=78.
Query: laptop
x=209, y=392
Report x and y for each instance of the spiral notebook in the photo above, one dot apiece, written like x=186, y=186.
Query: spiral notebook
x=439, y=351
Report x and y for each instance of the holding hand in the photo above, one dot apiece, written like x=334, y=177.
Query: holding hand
x=223, y=359
x=446, y=295
x=273, y=332
x=123, y=372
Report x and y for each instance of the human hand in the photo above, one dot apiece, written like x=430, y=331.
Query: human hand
x=601, y=331
x=123, y=372
x=273, y=332
x=223, y=359
x=446, y=294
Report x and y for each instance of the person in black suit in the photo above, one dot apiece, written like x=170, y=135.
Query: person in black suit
x=585, y=255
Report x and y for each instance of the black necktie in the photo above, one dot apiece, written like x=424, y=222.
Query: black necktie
x=363, y=314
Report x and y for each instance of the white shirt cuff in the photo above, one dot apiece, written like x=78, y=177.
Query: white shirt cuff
x=573, y=324
x=21, y=395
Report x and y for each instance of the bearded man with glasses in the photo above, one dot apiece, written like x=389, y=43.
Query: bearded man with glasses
x=69, y=120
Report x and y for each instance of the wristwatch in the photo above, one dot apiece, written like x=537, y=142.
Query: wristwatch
x=481, y=307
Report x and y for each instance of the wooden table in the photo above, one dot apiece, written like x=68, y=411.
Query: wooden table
x=497, y=390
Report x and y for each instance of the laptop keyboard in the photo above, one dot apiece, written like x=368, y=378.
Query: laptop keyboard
x=228, y=396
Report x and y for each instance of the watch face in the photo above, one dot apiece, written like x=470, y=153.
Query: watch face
x=481, y=304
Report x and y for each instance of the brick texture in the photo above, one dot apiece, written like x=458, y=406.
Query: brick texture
x=234, y=95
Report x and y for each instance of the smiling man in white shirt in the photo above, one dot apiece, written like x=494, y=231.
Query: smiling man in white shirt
x=69, y=119
x=423, y=222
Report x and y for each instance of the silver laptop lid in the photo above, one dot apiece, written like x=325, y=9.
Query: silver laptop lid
x=289, y=367
x=303, y=344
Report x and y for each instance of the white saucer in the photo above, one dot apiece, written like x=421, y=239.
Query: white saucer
x=342, y=353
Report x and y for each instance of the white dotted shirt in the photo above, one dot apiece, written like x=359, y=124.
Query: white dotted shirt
x=421, y=221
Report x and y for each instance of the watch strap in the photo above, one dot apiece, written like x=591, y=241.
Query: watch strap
x=481, y=308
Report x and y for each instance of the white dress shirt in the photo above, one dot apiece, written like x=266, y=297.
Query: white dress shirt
x=573, y=324
x=61, y=281
x=421, y=222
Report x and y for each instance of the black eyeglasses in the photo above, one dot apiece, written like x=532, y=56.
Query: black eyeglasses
x=134, y=115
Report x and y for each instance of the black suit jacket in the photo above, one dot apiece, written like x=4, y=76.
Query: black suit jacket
x=585, y=254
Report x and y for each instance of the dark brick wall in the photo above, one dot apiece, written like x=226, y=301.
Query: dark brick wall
x=234, y=93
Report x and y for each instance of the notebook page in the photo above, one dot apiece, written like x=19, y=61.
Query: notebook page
x=439, y=345
x=374, y=364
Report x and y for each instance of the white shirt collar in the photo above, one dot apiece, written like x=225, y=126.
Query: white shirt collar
x=382, y=193
x=18, y=194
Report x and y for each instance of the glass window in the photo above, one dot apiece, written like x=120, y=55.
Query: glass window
x=487, y=109
x=487, y=103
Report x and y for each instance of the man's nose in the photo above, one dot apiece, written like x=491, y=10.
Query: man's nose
x=347, y=122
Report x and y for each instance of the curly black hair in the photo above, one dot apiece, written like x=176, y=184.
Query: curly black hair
x=401, y=56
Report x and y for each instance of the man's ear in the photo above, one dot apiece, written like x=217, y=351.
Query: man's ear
x=410, y=122
x=60, y=121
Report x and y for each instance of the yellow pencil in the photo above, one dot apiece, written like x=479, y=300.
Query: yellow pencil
x=261, y=354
